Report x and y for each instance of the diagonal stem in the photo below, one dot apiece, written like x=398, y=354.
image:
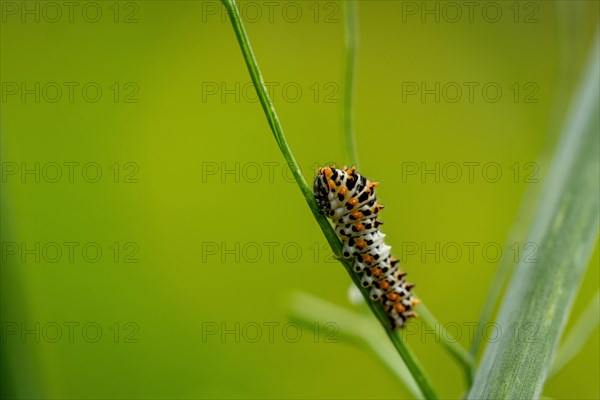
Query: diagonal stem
x=351, y=42
x=351, y=45
x=411, y=362
x=583, y=328
x=451, y=345
x=354, y=328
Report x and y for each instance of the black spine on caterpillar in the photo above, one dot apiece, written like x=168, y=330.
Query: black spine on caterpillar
x=349, y=200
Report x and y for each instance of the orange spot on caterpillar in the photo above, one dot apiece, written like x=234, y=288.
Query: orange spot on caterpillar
x=353, y=201
x=400, y=308
x=394, y=296
x=385, y=285
x=359, y=227
x=376, y=271
x=357, y=215
x=361, y=243
x=371, y=184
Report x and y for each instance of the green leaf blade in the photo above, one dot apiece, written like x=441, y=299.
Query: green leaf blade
x=538, y=301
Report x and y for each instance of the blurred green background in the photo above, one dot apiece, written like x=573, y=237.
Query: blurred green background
x=202, y=234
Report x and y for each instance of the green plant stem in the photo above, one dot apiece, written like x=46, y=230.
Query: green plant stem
x=505, y=268
x=566, y=23
x=354, y=328
x=413, y=365
x=499, y=281
x=450, y=344
x=583, y=328
x=351, y=42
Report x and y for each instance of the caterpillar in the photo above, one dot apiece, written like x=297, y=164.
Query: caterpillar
x=349, y=200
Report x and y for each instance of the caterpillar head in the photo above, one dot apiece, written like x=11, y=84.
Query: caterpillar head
x=321, y=191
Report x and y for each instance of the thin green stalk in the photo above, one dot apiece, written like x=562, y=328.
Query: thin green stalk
x=351, y=327
x=413, y=365
x=566, y=21
x=351, y=45
x=583, y=328
x=351, y=42
x=505, y=268
x=450, y=344
x=499, y=282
